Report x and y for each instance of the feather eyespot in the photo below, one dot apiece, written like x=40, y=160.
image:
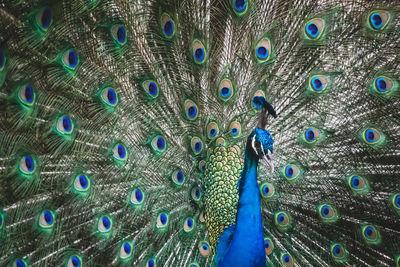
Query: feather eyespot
x=178, y=178
x=196, y=194
x=118, y=33
x=371, y=136
x=378, y=20
x=318, y=83
x=204, y=248
x=268, y=245
x=167, y=26
x=137, y=196
x=199, y=52
x=225, y=90
x=191, y=110
x=120, y=153
x=44, y=19
x=314, y=28
x=327, y=213
x=235, y=129
x=159, y=144
x=162, y=220
x=27, y=165
x=151, y=263
x=151, y=88
x=70, y=59
x=104, y=224
x=109, y=97
x=188, y=225
x=263, y=50
x=19, y=263
x=74, y=261
x=267, y=190
x=371, y=234
x=286, y=260
x=338, y=252
x=26, y=95
x=212, y=130
x=196, y=145
x=64, y=126
x=282, y=220
x=126, y=250
x=383, y=84
x=46, y=219
x=81, y=183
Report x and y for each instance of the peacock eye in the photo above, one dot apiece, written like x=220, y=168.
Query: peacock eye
x=27, y=165
x=151, y=88
x=137, y=196
x=286, y=259
x=358, y=184
x=81, y=183
x=371, y=234
x=204, y=248
x=26, y=95
x=70, y=59
x=19, y=263
x=263, y=50
x=239, y=6
x=191, y=110
x=383, y=84
x=220, y=142
x=162, y=221
x=235, y=129
x=196, y=194
x=120, y=153
x=268, y=245
x=371, y=136
x=199, y=52
x=267, y=190
x=118, y=33
x=378, y=19
x=178, y=178
x=104, y=224
x=225, y=90
x=314, y=28
x=151, y=263
x=109, y=97
x=202, y=166
x=167, y=26
x=338, y=252
x=282, y=220
x=46, y=219
x=212, y=130
x=158, y=144
x=188, y=225
x=327, y=213
x=291, y=172
x=43, y=19
x=197, y=145
x=64, y=126
x=74, y=261
x=193, y=264
x=318, y=83
x=311, y=135
x=125, y=250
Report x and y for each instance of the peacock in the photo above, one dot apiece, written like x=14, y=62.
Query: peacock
x=199, y=133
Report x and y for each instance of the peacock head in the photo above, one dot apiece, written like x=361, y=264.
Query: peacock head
x=260, y=142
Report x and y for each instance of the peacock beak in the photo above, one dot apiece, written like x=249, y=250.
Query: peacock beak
x=269, y=159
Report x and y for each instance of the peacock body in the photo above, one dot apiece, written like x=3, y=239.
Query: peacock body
x=131, y=133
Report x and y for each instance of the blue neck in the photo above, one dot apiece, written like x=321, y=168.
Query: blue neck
x=247, y=245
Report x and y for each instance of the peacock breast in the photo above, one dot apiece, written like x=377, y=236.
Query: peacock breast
x=223, y=168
